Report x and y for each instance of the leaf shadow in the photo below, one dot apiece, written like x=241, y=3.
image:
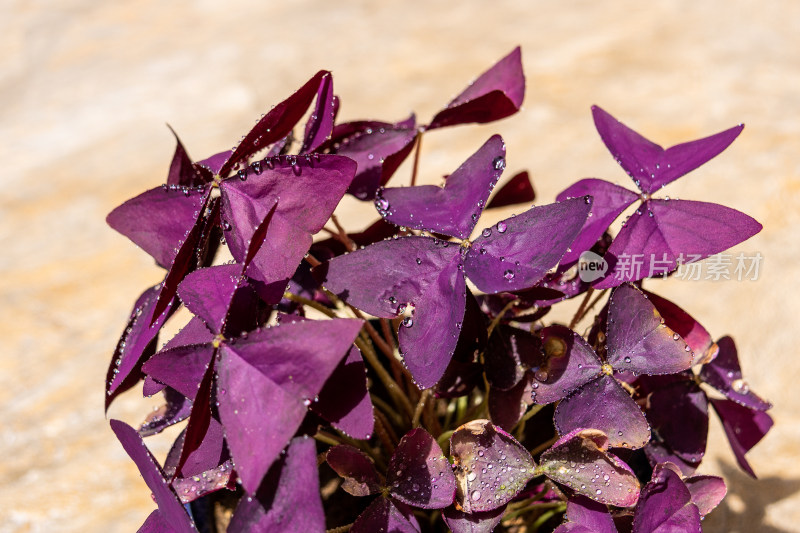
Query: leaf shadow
x=744, y=508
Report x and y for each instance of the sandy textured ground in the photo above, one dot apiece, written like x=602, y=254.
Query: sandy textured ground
x=85, y=90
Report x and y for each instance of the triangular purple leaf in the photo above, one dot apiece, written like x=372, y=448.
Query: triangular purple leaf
x=419, y=474
x=453, y=209
x=320, y=125
x=682, y=323
x=288, y=499
x=725, y=375
x=568, y=364
x=496, y=94
x=517, y=252
x=182, y=368
x=491, y=467
x=585, y=515
x=517, y=190
x=344, y=400
x=579, y=460
x=707, y=492
x=666, y=506
x=648, y=164
x=744, y=428
x=169, y=507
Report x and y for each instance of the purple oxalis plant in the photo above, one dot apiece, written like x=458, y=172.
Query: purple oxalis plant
x=404, y=377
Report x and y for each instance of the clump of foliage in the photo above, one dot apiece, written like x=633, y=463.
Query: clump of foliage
x=403, y=377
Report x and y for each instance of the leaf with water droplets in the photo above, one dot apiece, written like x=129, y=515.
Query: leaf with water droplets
x=604, y=405
x=453, y=209
x=567, y=364
x=690, y=330
x=182, y=367
x=386, y=515
x=288, y=500
x=665, y=505
x=517, y=190
x=276, y=124
x=319, y=126
x=491, y=467
x=744, y=428
x=169, y=507
x=647, y=163
x=344, y=400
x=377, y=147
x=181, y=171
x=677, y=230
x=579, y=460
x=175, y=409
x=357, y=470
x=725, y=375
x=191, y=488
x=638, y=338
x=479, y=522
x=520, y=250
x=586, y=516
x=385, y=280
x=496, y=94
x=419, y=473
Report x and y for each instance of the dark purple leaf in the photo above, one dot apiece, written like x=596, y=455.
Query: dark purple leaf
x=579, y=460
x=276, y=124
x=491, y=467
x=657, y=452
x=517, y=190
x=176, y=409
x=604, y=405
x=744, y=428
x=568, y=364
x=496, y=94
x=585, y=515
x=411, y=273
x=665, y=506
x=385, y=515
x=181, y=171
x=648, y=164
x=679, y=415
x=662, y=232
x=288, y=499
x=510, y=353
x=517, y=252
x=181, y=368
x=344, y=400
x=194, y=332
x=357, y=470
x=453, y=209
x=608, y=202
x=155, y=523
x=725, y=375
x=169, y=507
x=419, y=474
x=639, y=340
x=682, y=323
x=211, y=166
x=707, y=492
x=506, y=407
x=191, y=488
x=208, y=454
x=320, y=125
x=160, y=219
x=465, y=371
x=483, y=522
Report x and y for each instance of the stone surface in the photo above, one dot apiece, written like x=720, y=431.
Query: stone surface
x=86, y=88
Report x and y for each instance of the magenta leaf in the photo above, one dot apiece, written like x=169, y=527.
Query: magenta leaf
x=648, y=164
x=320, y=125
x=663, y=233
x=491, y=467
x=169, y=507
x=419, y=474
x=568, y=364
x=453, y=209
x=357, y=470
x=586, y=516
x=288, y=500
x=744, y=428
x=682, y=323
x=517, y=190
x=639, y=339
x=579, y=460
x=181, y=368
x=608, y=202
x=344, y=400
x=159, y=220
x=725, y=375
x=665, y=506
x=385, y=515
x=604, y=405
x=496, y=94
x=479, y=522
x=707, y=492
x=517, y=252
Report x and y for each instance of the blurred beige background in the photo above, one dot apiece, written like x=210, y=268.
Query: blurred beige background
x=87, y=87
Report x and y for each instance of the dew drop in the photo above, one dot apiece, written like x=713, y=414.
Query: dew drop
x=476, y=495
x=486, y=232
x=502, y=227
x=508, y=274
x=499, y=163
x=382, y=203
x=408, y=322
